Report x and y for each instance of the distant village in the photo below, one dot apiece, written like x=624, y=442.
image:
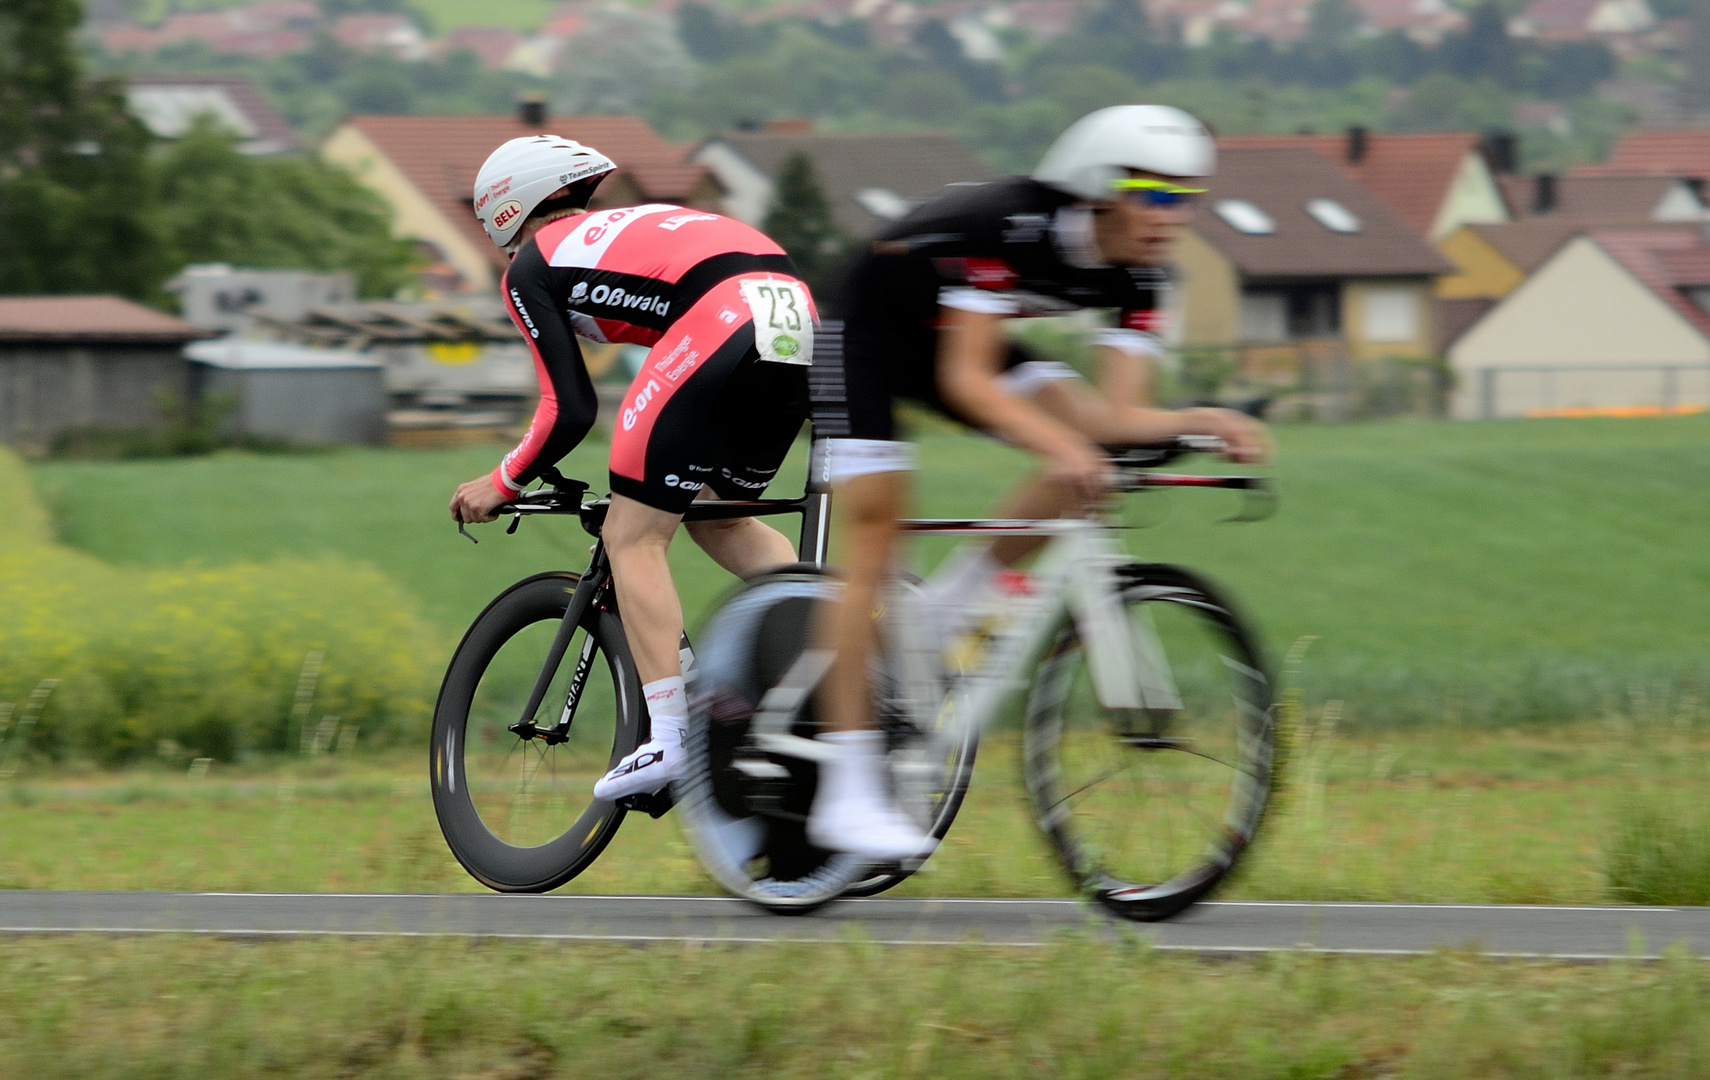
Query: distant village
x=982, y=27
x=1327, y=276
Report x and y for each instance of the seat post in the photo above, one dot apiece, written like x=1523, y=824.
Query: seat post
x=828, y=419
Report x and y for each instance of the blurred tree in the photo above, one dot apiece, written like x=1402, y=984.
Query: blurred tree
x=622, y=58
x=1332, y=22
x=217, y=205
x=1483, y=50
x=800, y=221
x=73, y=169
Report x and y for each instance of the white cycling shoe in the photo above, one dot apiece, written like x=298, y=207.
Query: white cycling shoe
x=649, y=768
x=851, y=812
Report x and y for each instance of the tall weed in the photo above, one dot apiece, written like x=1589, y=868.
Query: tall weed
x=202, y=658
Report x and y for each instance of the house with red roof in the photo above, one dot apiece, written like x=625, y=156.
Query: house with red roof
x=424, y=167
x=1578, y=20
x=1615, y=322
x=1682, y=153
x=1289, y=265
x=1434, y=182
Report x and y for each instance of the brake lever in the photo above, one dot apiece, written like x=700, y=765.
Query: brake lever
x=516, y=519
x=467, y=535
x=1258, y=502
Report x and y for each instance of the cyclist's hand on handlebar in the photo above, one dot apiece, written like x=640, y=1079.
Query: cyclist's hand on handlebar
x=476, y=501
x=1081, y=467
x=1244, y=438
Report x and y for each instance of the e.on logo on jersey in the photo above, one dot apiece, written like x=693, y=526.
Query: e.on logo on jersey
x=505, y=213
x=640, y=405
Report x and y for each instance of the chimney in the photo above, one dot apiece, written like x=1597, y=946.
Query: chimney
x=1357, y=137
x=1501, y=151
x=531, y=110
x=1543, y=193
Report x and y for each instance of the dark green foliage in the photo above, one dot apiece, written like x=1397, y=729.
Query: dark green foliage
x=86, y=207
x=1332, y=22
x=216, y=205
x=72, y=165
x=800, y=220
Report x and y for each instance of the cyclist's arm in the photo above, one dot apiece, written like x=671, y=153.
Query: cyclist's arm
x=567, y=405
x=970, y=354
x=1128, y=360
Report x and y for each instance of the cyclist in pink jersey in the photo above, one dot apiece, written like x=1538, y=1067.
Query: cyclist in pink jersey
x=714, y=408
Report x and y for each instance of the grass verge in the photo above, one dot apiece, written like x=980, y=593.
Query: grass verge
x=1516, y=816
x=97, y=1009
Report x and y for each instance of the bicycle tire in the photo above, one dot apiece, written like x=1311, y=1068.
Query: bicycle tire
x=751, y=835
x=1149, y=810
x=539, y=831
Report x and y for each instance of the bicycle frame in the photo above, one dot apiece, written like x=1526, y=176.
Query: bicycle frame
x=1076, y=573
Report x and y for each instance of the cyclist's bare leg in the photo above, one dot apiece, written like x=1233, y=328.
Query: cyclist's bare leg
x=867, y=508
x=637, y=538
x=743, y=546
x=852, y=810
x=1103, y=421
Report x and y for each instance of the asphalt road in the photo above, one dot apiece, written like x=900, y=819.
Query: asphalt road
x=1590, y=933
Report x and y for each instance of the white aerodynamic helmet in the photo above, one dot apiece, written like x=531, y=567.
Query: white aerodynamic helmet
x=1100, y=148
x=519, y=175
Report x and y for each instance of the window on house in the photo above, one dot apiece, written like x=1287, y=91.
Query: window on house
x=1264, y=317
x=1290, y=312
x=1699, y=295
x=1244, y=217
x=1333, y=215
x=1390, y=313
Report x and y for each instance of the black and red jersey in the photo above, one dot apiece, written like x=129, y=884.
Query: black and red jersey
x=1013, y=246
x=613, y=275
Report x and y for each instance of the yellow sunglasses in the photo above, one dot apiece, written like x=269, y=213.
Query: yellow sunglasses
x=1155, y=192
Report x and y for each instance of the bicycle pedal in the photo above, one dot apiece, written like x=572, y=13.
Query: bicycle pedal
x=655, y=805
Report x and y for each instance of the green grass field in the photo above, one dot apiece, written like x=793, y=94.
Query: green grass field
x=1466, y=573
x=1506, y=702
x=1079, y=1008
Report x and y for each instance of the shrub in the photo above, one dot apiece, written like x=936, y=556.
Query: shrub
x=1659, y=850
x=209, y=659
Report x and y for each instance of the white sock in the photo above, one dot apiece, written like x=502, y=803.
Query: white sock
x=668, y=708
x=964, y=573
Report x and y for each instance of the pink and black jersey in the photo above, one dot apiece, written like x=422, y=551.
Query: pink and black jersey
x=613, y=275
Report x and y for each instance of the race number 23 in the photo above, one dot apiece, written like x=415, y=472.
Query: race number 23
x=783, y=322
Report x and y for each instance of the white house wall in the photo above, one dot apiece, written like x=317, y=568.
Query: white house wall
x=748, y=191
x=1581, y=332
x=1473, y=199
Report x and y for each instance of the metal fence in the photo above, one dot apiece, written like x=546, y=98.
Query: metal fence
x=1543, y=389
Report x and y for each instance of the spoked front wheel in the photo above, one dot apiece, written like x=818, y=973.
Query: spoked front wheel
x=515, y=795
x=1148, y=809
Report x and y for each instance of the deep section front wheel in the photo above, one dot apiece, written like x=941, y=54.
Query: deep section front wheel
x=514, y=795
x=1148, y=809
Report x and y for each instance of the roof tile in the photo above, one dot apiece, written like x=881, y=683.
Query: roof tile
x=1280, y=181
x=93, y=318
x=1410, y=173
x=441, y=155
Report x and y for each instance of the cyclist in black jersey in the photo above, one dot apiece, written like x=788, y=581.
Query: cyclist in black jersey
x=923, y=309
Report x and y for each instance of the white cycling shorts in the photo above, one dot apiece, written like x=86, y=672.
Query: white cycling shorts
x=847, y=459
